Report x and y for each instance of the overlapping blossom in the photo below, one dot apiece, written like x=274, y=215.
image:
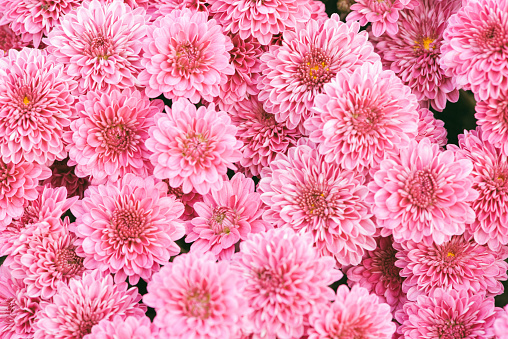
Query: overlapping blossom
x=9, y=39
x=492, y=117
x=165, y=7
x=131, y=327
x=430, y=127
x=64, y=175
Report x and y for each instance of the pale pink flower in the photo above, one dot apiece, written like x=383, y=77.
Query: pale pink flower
x=354, y=314
x=193, y=148
x=363, y=116
x=128, y=228
x=9, y=39
x=118, y=328
x=196, y=297
x=501, y=324
x=63, y=176
x=185, y=55
x=423, y=194
x=164, y=7
x=83, y=303
x=107, y=140
x=492, y=116
x=100, y=44
x=475, y=48
x=284, y=280
x=309, y=57
x=430, y=127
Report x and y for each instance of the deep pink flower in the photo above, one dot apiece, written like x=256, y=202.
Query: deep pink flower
x=458, y=264
x=423, y=194
x=193, y=148
x=100, y=44
x=83, y=303
x=414, y=52
x=501, y=324
x=309, y=57
x=128, y=228
x=9, y=39
x=378, y=274
x=354, y=314
x=285, y=280
x=185, y=55
x=363, y=116
x=490, y=179
x=63, y=176
x=225, y=217
x=382, y=14
x=107, y=140
x=262, y=136
x=36, y=105
x=453, y=314
x=307, y=194
x=196, y=297
x=260, y=19
x=430, y=127
x=475, y=47
x=118, y=328
x=492, y=116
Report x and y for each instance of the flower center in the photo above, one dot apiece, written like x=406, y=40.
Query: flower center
x=316, y=200
x=223, y=220
x=129, y=220
x=98, y=46
x=270, y=282
x=365, y=119
x=68, y=263
x=314, y=71
x=385, y=261
x=422, y=189
x=195, y=147
x=197, y=304
x=84, y=326
x=424, y=45
x=187, y=58
x=492, y=37
x=118, y=138
x=451, y=329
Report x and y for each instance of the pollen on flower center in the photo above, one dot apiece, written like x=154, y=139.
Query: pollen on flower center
x=129, y=220
x=422, y=189
x=67, y=261
x=195, y=147
x=188, y=58
x=365, y=119
x=316, y=201
x=314, y=71
x=223, y=220
x=98, y=45
x=197, y=304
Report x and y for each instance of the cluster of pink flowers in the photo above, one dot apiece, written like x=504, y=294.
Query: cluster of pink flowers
x=222, y=169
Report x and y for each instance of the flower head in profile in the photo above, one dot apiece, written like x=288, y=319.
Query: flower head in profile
x=128, y=228
x=193, y=148
x=131, y=327
x=309, y=57
x=430, y=127
x=185, y=55
x=100, y=44
x=492, y=116
x=196, y=297
x=423, y=194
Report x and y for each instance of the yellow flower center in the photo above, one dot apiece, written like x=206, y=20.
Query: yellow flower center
x=26, y=101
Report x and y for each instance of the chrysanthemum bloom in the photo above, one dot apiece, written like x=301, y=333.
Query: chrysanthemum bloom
x=63, y=176
x=458, y=264
x=33, y=19
x=490, y=179
x=225, y=217
x=285, y=280
x=36, y=105
x=118, y=328
x=423, y=194
x=262, y=20
x=430, y=127
x=492, y=116
x=18, y=184
x=100, y=44
x=196, y=297
x=262, y=136
x=128, y=228
x=9, y=39
x=382, y=14
x=363, y=116
x=164, y=7
x=185, y=55
x=475, y=48
x=354, y=314
x=453, y=314
x=501, y=324
x=378, y=274
x=193, y=148
x=310, y=57
x=107, y=140
x=413, y=53
x=83, y=303
x=307, y=194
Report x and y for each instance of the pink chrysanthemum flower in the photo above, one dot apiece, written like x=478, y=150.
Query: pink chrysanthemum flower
x=382, y=14
x=501, y=324
x=83, y=303
x=63, y=176
x=492, y=116
x=363, y=116
x=490, y=179
x=196, y=297
x=318, y=11
x=36, y=105
x=100, y=44
x=307, y=194
x=262, y=20
x=262, y=136
x=18, y=183
x=475, y=48
x=378, y=274
x=118, y=328
x=458, y=264
x=185, y=55
x=285, y=280
x=193, y=148
x=354, y=314
x=414, y=52
x=453, y=314
x=9, y=39
x=310, y=57
x=128, y=228
x=423, y=194
x=107, y=140
x=165, y=7
x=225, y=217
x=430, y=127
